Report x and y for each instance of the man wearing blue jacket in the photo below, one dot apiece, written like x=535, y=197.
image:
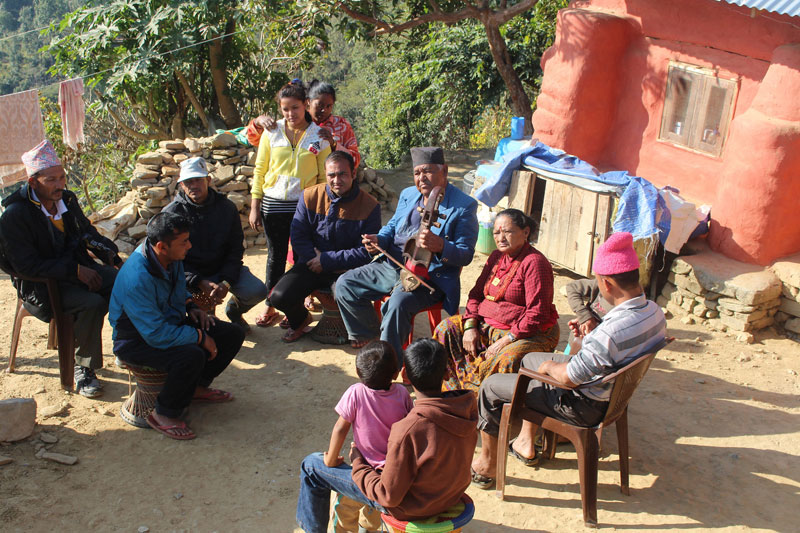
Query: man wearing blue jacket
x=452, y=245
x=156, y=325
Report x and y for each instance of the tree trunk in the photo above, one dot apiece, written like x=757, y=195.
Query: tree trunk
x=227, y=108
x=520, y=103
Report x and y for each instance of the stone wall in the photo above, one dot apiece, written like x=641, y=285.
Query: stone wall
x=788, y=315
x=724, y=294
x=231, y=167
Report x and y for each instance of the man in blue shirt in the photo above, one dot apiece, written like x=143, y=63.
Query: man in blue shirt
x=157, y=325
x=452, y=245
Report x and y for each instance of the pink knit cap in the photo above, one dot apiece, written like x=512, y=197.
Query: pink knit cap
x=41, y=157
x=616, y=255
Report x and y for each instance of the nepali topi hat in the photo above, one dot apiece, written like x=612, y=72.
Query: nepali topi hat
x=616, y=255
x=427, y=155
x=40, y=157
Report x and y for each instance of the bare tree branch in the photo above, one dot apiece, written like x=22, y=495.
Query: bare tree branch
x=127, y=129
x=193, y=98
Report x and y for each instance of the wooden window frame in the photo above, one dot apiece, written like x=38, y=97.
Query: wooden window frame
x=692, y=133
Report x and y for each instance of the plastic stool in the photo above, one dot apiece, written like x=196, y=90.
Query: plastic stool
x=434, y=317
x=449, y=521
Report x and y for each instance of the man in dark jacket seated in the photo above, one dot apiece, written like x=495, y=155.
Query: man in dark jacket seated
x=214, y=265
x=44, y=234
x=157, y=325
x=326, y=239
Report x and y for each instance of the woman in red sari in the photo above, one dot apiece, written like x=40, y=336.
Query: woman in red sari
x=510, y=309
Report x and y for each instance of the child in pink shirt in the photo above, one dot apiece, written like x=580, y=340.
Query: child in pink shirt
x=370, y=407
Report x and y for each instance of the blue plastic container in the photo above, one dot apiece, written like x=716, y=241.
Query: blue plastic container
x=517, y=128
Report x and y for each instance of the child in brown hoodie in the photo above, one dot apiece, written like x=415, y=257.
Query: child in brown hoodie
x=427, y=460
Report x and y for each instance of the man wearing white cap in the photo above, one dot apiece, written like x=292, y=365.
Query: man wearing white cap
x=44, y=233
x=214, y=265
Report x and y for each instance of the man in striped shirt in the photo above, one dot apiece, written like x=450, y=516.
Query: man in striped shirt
x=632, y=327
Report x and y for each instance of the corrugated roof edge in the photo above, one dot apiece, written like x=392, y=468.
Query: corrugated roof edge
x=782, y=7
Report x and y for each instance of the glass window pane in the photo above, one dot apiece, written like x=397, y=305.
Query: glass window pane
x=713, y=115
x=680, y=89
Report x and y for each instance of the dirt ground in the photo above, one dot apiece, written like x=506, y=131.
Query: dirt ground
x=714, y=441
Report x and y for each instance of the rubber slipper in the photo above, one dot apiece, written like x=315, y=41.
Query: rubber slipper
x=168, y=429
x=481, y=481
x=294, y=334
x=213, y=396
x=267, y=319
x=359, y=344
x=285, y=323
x=527, y=461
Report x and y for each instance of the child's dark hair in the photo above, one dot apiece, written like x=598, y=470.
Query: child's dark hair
x=317, y=88
x=426, y=363
x=626, y=280
x=376, y=365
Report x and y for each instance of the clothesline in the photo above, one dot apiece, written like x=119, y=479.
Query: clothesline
x=161, y=54
x=7, y=37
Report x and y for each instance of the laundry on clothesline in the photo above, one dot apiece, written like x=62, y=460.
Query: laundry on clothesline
x=73, y=111
x=21, y=118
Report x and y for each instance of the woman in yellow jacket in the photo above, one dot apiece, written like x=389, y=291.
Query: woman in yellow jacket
x=290, y=158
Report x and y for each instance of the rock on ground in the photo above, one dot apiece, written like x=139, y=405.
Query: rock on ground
x=17, y=418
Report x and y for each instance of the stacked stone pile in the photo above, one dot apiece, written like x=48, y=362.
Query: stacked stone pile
x=722, y=294
x=788, y=315
x=231, y=167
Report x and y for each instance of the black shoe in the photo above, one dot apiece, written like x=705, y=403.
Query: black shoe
x=238, y=319
x=86, y=382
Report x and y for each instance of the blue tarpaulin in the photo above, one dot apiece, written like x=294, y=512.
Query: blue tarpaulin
x=641, y=211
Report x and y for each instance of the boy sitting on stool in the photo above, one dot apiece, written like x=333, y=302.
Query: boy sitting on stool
x=427, y=460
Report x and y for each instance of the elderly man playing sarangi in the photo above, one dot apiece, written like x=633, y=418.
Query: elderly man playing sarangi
x=452, y=245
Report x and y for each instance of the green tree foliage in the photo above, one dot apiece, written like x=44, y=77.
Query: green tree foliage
x=22, y=65
x=160, y=67
x=440, y=86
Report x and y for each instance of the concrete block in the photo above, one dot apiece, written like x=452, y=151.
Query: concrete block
x=17, y=418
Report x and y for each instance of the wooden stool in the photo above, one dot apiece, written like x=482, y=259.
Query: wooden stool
x=330, y=329
x=449, y=521
x=142, y=400
x=434, y=317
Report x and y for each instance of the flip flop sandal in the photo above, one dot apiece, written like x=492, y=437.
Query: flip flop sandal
x=267, y=319
x=169, y=429
x=294, y=334
x=481, y=481
x=527, y=461
x=312, y=305
x=359, y=344
x=285, y=323
x=214, y=396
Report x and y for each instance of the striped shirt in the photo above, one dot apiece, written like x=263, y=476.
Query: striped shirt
x=629, y=329
x=270, y=205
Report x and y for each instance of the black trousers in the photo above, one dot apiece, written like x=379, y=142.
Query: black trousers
x=290, y=292
x=277, y=227
x=187, y=366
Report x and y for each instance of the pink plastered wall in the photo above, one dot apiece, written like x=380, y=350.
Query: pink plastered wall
x=603, y=94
